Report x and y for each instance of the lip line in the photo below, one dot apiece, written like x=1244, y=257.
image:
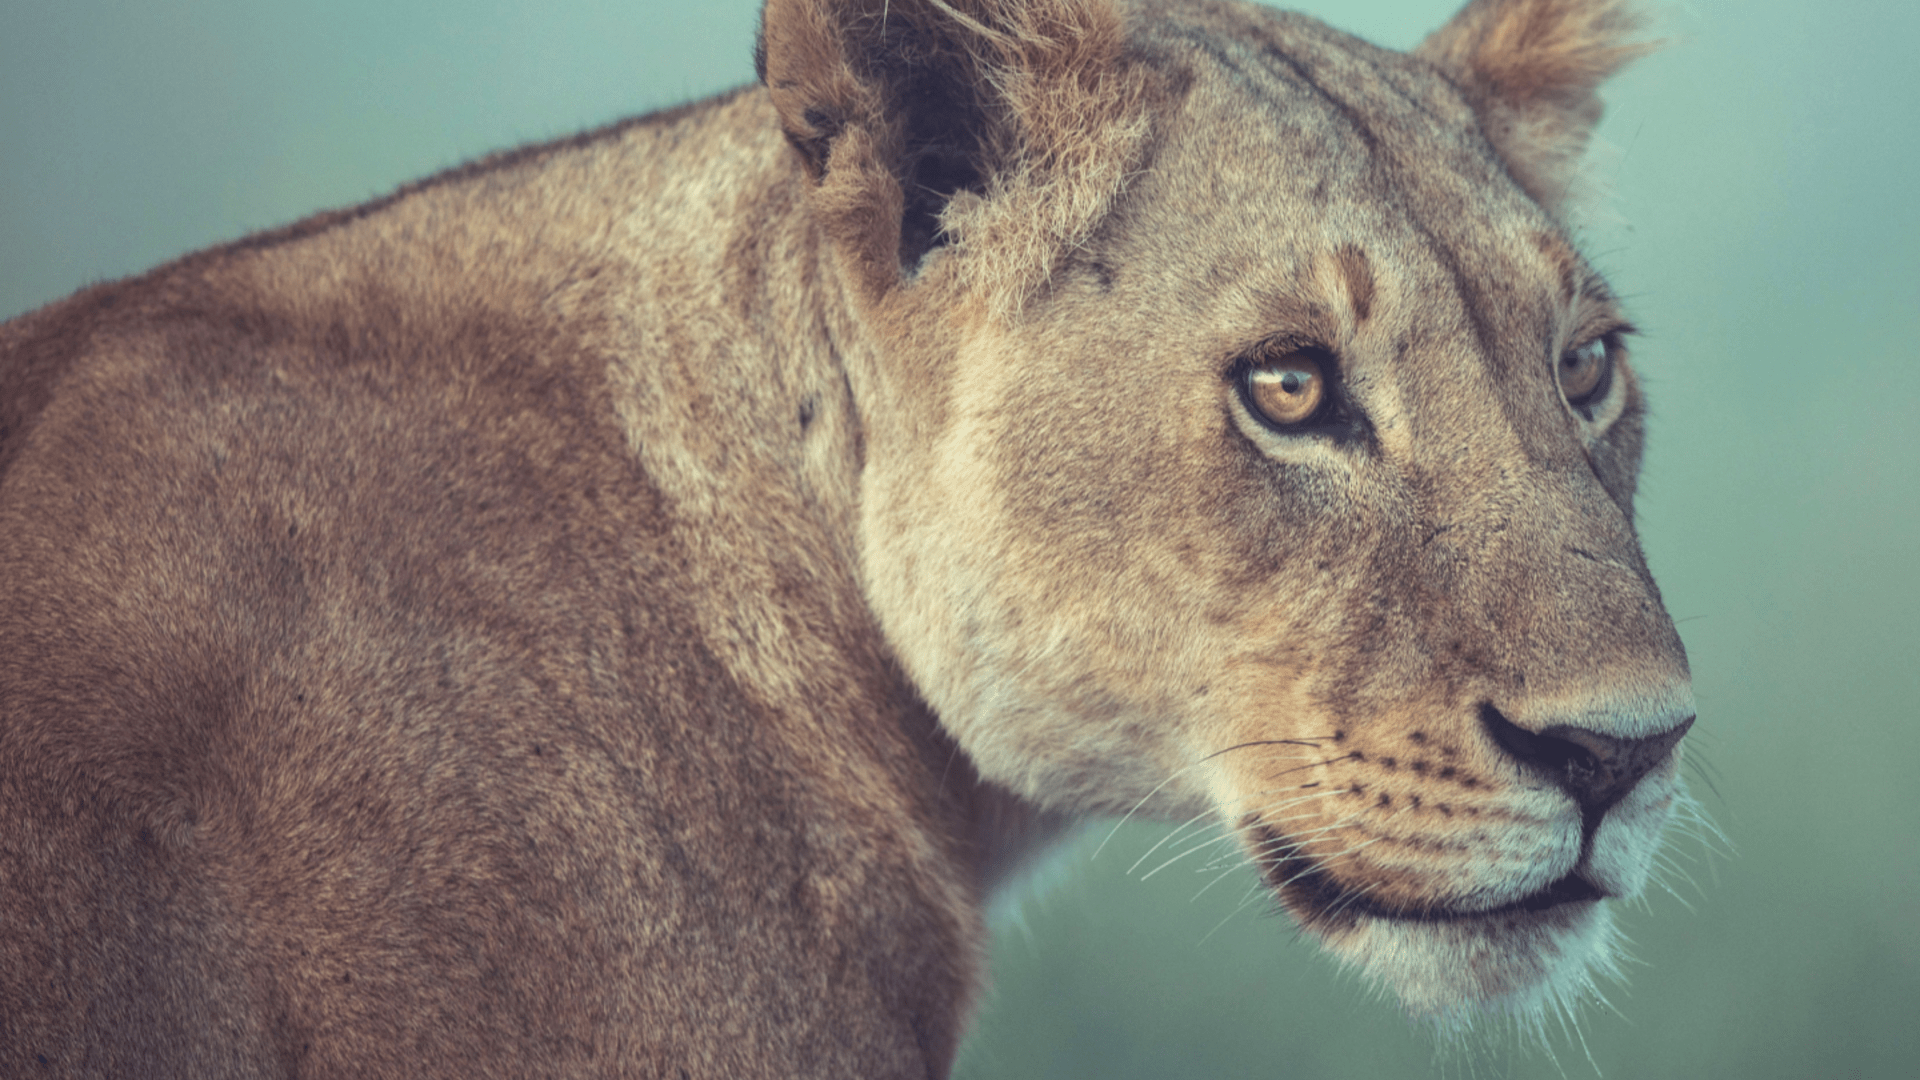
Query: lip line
x=1299, y=877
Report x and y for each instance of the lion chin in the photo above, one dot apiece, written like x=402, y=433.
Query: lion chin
x=1521, y=964
x=1519, y=951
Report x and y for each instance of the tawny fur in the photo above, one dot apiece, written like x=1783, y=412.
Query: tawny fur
x=621, y=608
x=1533, y=69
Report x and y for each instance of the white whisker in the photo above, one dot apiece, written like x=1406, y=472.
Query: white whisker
x=1165, y=840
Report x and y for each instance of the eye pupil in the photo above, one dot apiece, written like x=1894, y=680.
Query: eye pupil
x=1286, y=391
x=1584, y=371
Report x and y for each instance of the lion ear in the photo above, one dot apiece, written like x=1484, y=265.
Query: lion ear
x=1532, y=69
x=899, y=107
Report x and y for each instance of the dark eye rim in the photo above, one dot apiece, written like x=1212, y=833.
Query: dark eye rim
x=1613, y=346
x=1333, y=418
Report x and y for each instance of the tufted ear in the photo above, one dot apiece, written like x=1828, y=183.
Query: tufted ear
x=903, y=110
x=1532, y=69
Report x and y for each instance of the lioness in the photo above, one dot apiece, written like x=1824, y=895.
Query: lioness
x=619, y=608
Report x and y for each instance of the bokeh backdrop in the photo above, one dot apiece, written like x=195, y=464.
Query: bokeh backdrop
x=1765, y=224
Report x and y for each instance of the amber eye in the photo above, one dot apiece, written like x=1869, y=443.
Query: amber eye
x=1288, y=390
x=1584, y=372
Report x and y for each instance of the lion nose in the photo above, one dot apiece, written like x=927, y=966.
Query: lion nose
x=1597, y=770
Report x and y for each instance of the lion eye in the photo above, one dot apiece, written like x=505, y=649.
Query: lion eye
x=1288, y=390
x=1584, y=374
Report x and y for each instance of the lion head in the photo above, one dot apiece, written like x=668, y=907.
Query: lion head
x=1244, y=434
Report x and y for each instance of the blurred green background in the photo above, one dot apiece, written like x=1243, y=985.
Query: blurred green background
x=1765, y=226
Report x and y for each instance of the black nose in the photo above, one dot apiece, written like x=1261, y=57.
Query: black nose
x=1597, y=770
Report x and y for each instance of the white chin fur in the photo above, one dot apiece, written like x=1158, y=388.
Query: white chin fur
x=1623, y=848
x=1523, y=965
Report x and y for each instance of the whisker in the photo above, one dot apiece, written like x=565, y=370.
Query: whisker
x=1662, y=860
x=1670, y=891
x=1334, y=855
x=1573, y=1018
x=1190, y=822
x=1299, y=839
x=1352, y=893
x=1202, y=845
x=1171, y=777
x=1701, y=772
x=1183, y=855
x=1167, y=839
x=1238, y=908
x=1696, y=815
x=1217, y=879
x=1260, y=853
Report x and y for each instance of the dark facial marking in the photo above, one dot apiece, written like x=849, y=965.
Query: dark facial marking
x=1357, y=272
x=1353, y=117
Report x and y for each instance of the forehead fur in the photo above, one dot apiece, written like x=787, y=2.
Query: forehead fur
x=1008, y=129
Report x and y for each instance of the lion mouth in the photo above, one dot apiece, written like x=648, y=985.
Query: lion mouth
x=1318, y=899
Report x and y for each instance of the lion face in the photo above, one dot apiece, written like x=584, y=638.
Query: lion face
x=1301, y=492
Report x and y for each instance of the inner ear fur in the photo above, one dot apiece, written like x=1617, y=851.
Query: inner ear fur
x=1532, y=69
x=899, y=108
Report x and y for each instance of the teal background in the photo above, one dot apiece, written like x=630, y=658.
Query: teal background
x=1764, y=228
